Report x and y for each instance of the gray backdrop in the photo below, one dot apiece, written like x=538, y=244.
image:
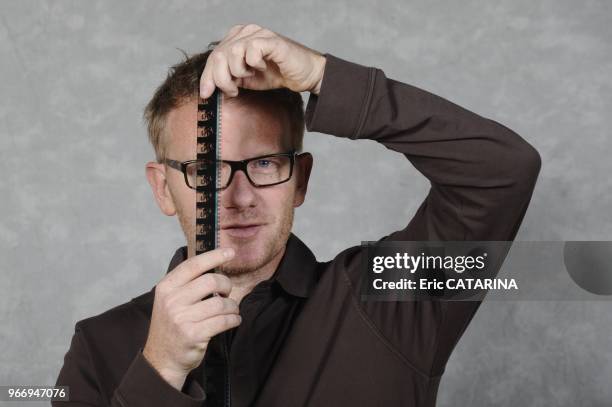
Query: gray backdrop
x=80, y=231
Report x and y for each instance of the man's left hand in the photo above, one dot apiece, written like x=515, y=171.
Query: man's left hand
x=256, y=58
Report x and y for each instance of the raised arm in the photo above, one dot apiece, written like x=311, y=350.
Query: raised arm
x=482, y=176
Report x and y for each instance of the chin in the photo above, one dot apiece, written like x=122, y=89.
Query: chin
x=250, y=253
x=243, y=264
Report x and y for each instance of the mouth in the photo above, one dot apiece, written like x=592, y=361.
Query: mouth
x=242, y=231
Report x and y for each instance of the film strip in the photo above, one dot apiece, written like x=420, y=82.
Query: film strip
x=207, y=174
x=207, y=220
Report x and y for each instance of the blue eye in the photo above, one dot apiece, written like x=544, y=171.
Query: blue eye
x=266, y=165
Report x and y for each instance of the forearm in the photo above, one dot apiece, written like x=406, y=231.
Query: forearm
x=477, y=167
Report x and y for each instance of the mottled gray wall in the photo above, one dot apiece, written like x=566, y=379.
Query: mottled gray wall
x=80, y=231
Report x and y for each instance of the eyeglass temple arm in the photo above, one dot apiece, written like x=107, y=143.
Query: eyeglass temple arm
x=173, y=164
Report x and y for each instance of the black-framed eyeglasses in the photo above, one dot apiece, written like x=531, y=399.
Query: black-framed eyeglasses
x=261, y=171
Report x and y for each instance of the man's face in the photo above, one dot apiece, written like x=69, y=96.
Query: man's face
x=248, y=130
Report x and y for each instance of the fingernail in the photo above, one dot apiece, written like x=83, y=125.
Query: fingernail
x=229, y=252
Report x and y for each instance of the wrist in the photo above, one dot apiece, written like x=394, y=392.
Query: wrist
x=320, y=70
x=176, y=378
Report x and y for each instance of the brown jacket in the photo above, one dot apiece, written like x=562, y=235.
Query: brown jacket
x=340, y=350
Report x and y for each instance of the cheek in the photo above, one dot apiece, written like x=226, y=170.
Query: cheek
x=185, y=203
x=282, y=202
x=188, y=212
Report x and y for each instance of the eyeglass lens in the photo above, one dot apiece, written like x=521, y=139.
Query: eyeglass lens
x=262, y=171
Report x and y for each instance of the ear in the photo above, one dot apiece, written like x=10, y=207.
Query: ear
x=156, y=175
x=303, y=166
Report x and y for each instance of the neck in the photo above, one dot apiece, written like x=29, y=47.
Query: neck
x=244, y=283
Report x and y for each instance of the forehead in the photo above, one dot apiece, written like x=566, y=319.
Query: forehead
x=247, y=130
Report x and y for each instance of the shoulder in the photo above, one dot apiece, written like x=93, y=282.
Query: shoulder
x=345, y=267
x=103, y=347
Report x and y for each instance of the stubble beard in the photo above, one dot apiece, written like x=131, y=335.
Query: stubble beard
x=271, y=248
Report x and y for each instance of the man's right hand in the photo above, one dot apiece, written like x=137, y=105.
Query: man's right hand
x=181, y=323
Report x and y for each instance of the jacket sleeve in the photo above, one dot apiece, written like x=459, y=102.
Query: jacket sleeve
x=140, y=386
x=481, y=173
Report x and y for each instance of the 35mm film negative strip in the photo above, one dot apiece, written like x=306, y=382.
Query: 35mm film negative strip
x=207, y=180
x=207, y=172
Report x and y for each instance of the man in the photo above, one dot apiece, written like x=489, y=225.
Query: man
x=298, y=333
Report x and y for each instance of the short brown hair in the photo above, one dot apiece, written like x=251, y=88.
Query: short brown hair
x=182, y=85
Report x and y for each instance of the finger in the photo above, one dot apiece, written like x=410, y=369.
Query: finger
x=210, y=327
x=207, y=85
x=196, y=266
x=254, y=58
x=211, y=307
x=233, y=48
x=202, y=287
x=237, y=65
x=232, y=32
x=222, y=77
x=267, y=45
x=258, y=48
x=244, y=31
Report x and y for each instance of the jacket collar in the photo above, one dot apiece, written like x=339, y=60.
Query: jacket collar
x=296, y=272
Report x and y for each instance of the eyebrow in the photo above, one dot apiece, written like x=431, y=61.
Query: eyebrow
x=261, y=153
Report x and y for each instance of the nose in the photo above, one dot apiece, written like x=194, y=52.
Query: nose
x=240, y=193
